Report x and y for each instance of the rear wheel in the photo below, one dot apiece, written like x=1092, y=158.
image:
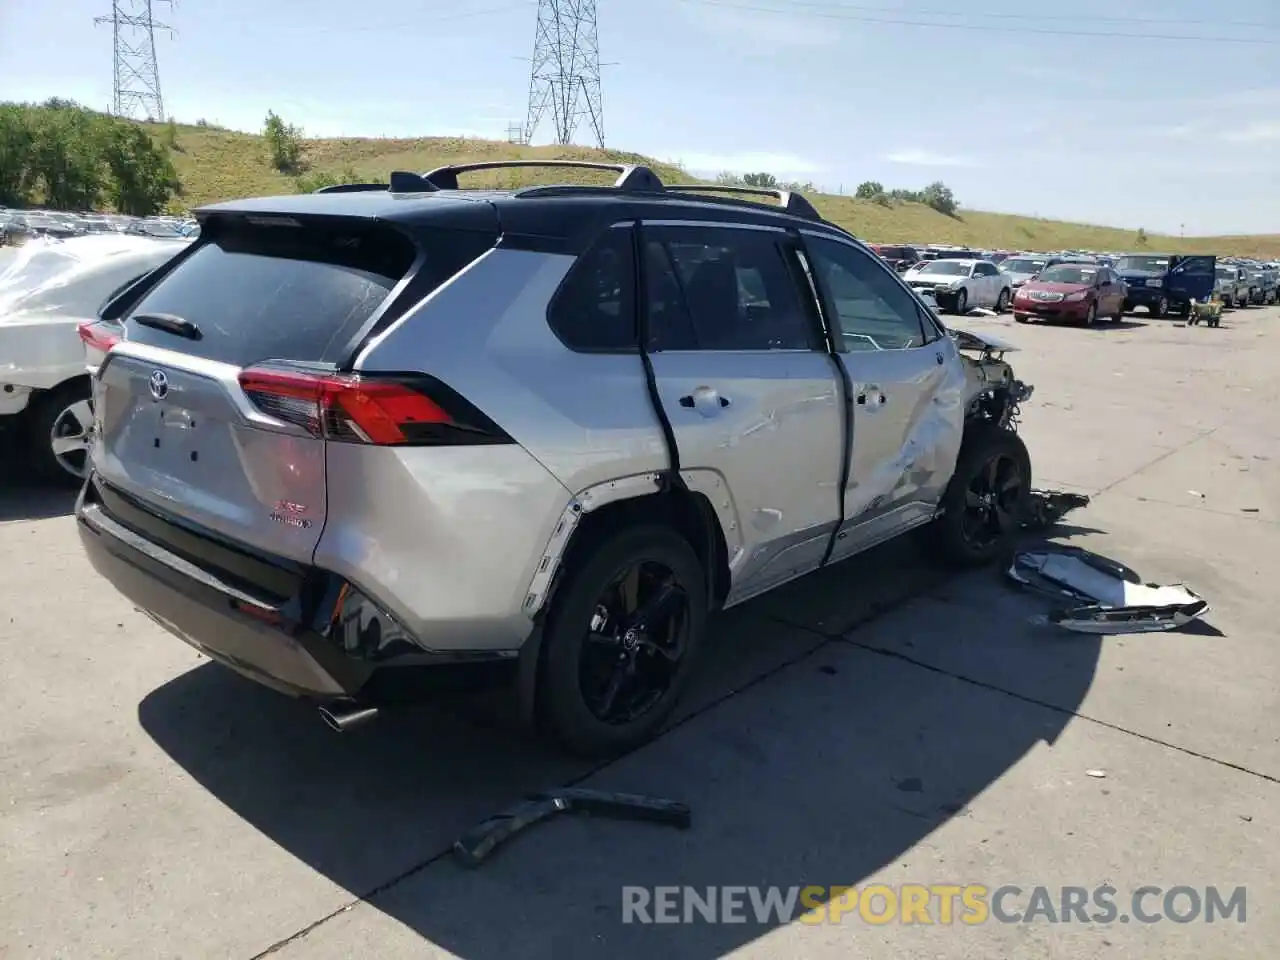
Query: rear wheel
x=621, y=640
x=985, y=501
x=58, y=434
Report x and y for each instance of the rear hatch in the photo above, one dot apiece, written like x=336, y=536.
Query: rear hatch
x=215, y=409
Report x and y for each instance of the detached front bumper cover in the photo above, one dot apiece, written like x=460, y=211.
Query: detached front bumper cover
x=1103, y=596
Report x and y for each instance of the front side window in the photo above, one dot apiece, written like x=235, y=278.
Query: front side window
x=874, y=310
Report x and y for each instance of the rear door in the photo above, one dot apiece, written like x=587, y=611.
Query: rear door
x=751, y=393
x=1192, y=277
x=213, y=409
x=908, y=406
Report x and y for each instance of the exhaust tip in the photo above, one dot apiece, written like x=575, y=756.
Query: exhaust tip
x=344, y=718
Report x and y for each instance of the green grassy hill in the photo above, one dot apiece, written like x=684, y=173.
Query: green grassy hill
x=217, y=164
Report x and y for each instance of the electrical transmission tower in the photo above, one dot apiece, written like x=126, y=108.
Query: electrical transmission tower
x=566, y=70
x=137, y=74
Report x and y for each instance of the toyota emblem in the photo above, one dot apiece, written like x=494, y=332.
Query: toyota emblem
x=159, y=384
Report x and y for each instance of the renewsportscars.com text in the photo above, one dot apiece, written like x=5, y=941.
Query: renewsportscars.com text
x=939, y=903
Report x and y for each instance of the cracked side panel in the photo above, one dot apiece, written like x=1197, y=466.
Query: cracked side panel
x=704, y=482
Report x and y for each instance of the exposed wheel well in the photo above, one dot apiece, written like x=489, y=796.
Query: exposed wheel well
x=690, y=514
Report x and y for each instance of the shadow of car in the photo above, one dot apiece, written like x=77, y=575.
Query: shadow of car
x=850, y=755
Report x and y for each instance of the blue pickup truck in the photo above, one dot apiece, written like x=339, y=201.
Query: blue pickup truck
x=1166, y=283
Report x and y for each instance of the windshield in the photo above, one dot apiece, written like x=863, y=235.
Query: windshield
x=950, y=268
x=1147, y=264
x=1022, y=265
x=1069, y=273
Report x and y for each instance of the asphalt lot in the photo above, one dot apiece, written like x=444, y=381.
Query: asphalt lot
x=877, y=722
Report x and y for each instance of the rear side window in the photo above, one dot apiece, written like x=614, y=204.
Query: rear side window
x=722, y=289
x=595, y=308
x=276, y=292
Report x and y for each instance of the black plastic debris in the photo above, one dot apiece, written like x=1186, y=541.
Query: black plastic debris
x=1101, y=595
x=1047, y=507
x=475, y=846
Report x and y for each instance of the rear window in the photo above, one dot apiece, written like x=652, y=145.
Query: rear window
x=287, y=292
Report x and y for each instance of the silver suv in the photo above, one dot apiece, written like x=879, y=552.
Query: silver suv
x=349, y=442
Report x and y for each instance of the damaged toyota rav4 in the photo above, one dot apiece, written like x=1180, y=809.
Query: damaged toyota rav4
x=351, y=441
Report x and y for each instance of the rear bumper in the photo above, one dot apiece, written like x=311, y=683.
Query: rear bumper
x=252, y=638
x=312, y=643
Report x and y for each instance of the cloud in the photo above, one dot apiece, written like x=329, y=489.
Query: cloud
x=779, y=164
x=780, y=29
x=915, y=157
x=1261, y=131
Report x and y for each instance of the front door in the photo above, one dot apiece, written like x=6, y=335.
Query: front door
x=1192, y=277
x=908, y=395
x=751, y=393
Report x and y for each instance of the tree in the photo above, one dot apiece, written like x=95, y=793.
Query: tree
x=142, y=176
x=71, y=158
x=16, y=140
x=171, y=135
x=284, y=142
x=764, y=181
x=66, y=156
x=939, y=196
x=869, y=190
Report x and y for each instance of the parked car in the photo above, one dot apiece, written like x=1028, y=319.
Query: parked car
x=307, y=468
x=961, y=284
x=899, y=257
x=1231, y=283
x=1262, y=286
x=1077, y=292
x=1162, y=282
x=1020, y=268
x=51, y=288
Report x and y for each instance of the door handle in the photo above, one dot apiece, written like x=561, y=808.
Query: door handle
x=705, y=399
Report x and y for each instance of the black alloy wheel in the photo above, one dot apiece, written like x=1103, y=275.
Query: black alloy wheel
x=635, y=642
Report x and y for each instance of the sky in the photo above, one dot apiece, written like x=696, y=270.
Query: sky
x=1161, y=114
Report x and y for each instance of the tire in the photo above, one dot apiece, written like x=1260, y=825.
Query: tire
x=1021, y=318
x=1161, y=309
x=1002, y=301
x=1091, y=315
x=62, y=410
x=564, y=712
x=962, y=302
x=948, y=537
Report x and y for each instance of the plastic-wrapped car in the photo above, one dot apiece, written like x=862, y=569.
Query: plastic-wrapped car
x=47, y=289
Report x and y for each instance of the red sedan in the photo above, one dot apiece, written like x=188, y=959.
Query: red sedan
x=1076, y=292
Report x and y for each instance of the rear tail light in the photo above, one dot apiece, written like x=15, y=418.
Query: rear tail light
x=99, y=335
x=412, y=410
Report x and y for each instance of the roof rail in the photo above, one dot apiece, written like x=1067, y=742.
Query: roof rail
x=793, y=203
x=630, y=176
x=351, y=188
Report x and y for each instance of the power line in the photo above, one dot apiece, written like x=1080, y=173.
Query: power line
x=985, y=28
x=565, y=76
x=1037, y=17
x=136, y=72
